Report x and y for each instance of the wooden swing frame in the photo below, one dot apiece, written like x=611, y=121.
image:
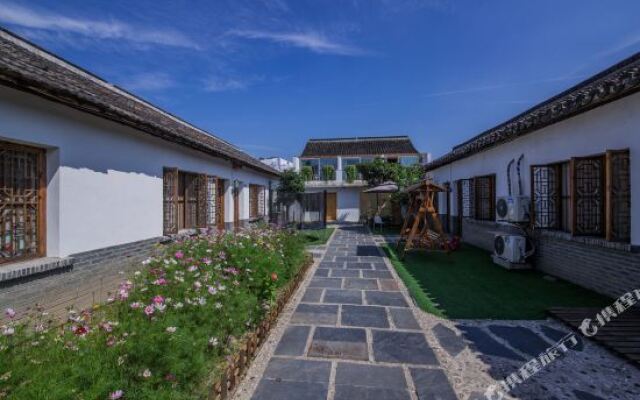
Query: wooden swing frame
x=417, y=230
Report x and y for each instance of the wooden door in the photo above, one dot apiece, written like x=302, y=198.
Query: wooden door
x=220, y=203
x=332, y=207
x=22, y=202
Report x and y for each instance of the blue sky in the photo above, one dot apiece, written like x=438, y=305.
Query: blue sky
x=267, y=75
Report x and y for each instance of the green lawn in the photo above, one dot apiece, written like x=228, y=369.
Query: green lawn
x=466, y=284
x=316, y=236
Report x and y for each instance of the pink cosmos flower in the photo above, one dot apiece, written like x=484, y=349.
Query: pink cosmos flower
x=212, y=291
x=106, y=326
x=111, y=341
x=149, y=310
x=197, y=285
x=158, y=300
x=135, y=305
x=206, y=261
x=160, y=282
x=222, y=255
x=171, y=329
x=79, y=330
x=179, y=255
x=10, y=313
x=8, y=330
x=146, y=373
x=192, y=268
x=118, y=394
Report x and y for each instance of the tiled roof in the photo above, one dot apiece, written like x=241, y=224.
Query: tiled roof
x=616, y=82
x=28, y=68
x=359, y=146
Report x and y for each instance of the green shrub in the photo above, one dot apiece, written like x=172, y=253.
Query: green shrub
x=164, y=333
x=328, y=173
x=352, y=173
x=306, y=172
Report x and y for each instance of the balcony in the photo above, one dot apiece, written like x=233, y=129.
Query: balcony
x=338, y=180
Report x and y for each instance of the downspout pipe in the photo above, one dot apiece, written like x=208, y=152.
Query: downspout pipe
x=519, y=177
x=509, y=175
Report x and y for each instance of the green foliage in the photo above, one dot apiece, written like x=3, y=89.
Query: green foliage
x=352, y=173
x=291, y=182
x=328, y=173
x=306, y=172
x=316, y=236
x=379, y=171
x=165, y=332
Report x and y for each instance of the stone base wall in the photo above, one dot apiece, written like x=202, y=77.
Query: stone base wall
x=604, y=267
x=90, y=279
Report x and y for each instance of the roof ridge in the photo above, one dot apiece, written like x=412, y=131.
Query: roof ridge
x=357, y=138
x=62, y=62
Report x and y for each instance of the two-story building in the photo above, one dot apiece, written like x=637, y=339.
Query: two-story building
x=344, y=200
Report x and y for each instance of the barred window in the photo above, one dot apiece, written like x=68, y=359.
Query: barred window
x=618, y=196
x=465, y=193
x=589, y=195
x=189, y=201
x=485, y=197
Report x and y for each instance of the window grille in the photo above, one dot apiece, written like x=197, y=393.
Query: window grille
x=588, y=192
x=467, y=194
x=484, y=188
x=546, y=196
x=211, y=201
x=170, y=200
x=619, y=184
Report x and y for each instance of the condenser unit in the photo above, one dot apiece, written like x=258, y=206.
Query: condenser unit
x=510, y=248
x=513, y=208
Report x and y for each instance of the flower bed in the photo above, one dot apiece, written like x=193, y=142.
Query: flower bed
x=169, y=333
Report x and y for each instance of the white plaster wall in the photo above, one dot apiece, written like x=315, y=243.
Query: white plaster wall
x=348, y=202
x=609, y=127
x=104, y=179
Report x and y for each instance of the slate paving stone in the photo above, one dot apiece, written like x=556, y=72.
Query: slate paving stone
x=346, y=392
x=285, y=369
x=556, y=335
x=294, y=341
x=344, y=343
x=323, y=314
x=375, y=258
x=274, y=390
x=377, y=298
x=432, y=384
x=580, y=395
x=380, y=267
x=403, y=318
x=377, y=274
x=322, y=273
x=388, y=285
x=325, y=283
x=343, y=296
x=332, y=265
x=450, y=341
x=368, y=250
x=351, y=259
x=374, y=376
x=520, y=338
x=402, y=347
x=344, y=273
x=359, y=265
x=312, y=295
x=486, y=345
x=362, y=284
x=364, y=316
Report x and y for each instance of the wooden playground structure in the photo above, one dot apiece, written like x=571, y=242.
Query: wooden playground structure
x=422, y=228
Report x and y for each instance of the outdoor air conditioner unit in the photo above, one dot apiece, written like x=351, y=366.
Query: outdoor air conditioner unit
x=510, y=248
x=513, y=208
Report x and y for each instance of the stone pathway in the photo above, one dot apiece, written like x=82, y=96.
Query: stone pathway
x=352, y=332
x=353, y=335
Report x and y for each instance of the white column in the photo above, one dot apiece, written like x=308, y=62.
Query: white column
x=339, y=170
x=296, y=164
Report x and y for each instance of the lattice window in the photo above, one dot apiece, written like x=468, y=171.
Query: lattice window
x=546, y=195
x=170, y=199
x=220, y=204
x=588, y=192
x=21, y=203
x=261, y=201
x=484, y=189
x=254, y=201
x=619, y=196
x=212, y=198
x=467, y=193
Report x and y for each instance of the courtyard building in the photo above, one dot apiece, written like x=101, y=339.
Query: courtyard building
x=91, y=174
x=332, y=162
x=569, y=169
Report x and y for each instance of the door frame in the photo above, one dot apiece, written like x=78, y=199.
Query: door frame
x=326, y=206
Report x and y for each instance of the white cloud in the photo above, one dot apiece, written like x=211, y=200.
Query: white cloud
x=149, y=81
x=307, y=40
x=223, y=84
x=96, y=29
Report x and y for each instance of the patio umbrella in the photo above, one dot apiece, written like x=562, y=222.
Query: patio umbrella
x=385, y=187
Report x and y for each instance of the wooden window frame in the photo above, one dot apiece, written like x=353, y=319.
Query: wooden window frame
x=41, y=213
x=558, y=207
x=491, y=199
